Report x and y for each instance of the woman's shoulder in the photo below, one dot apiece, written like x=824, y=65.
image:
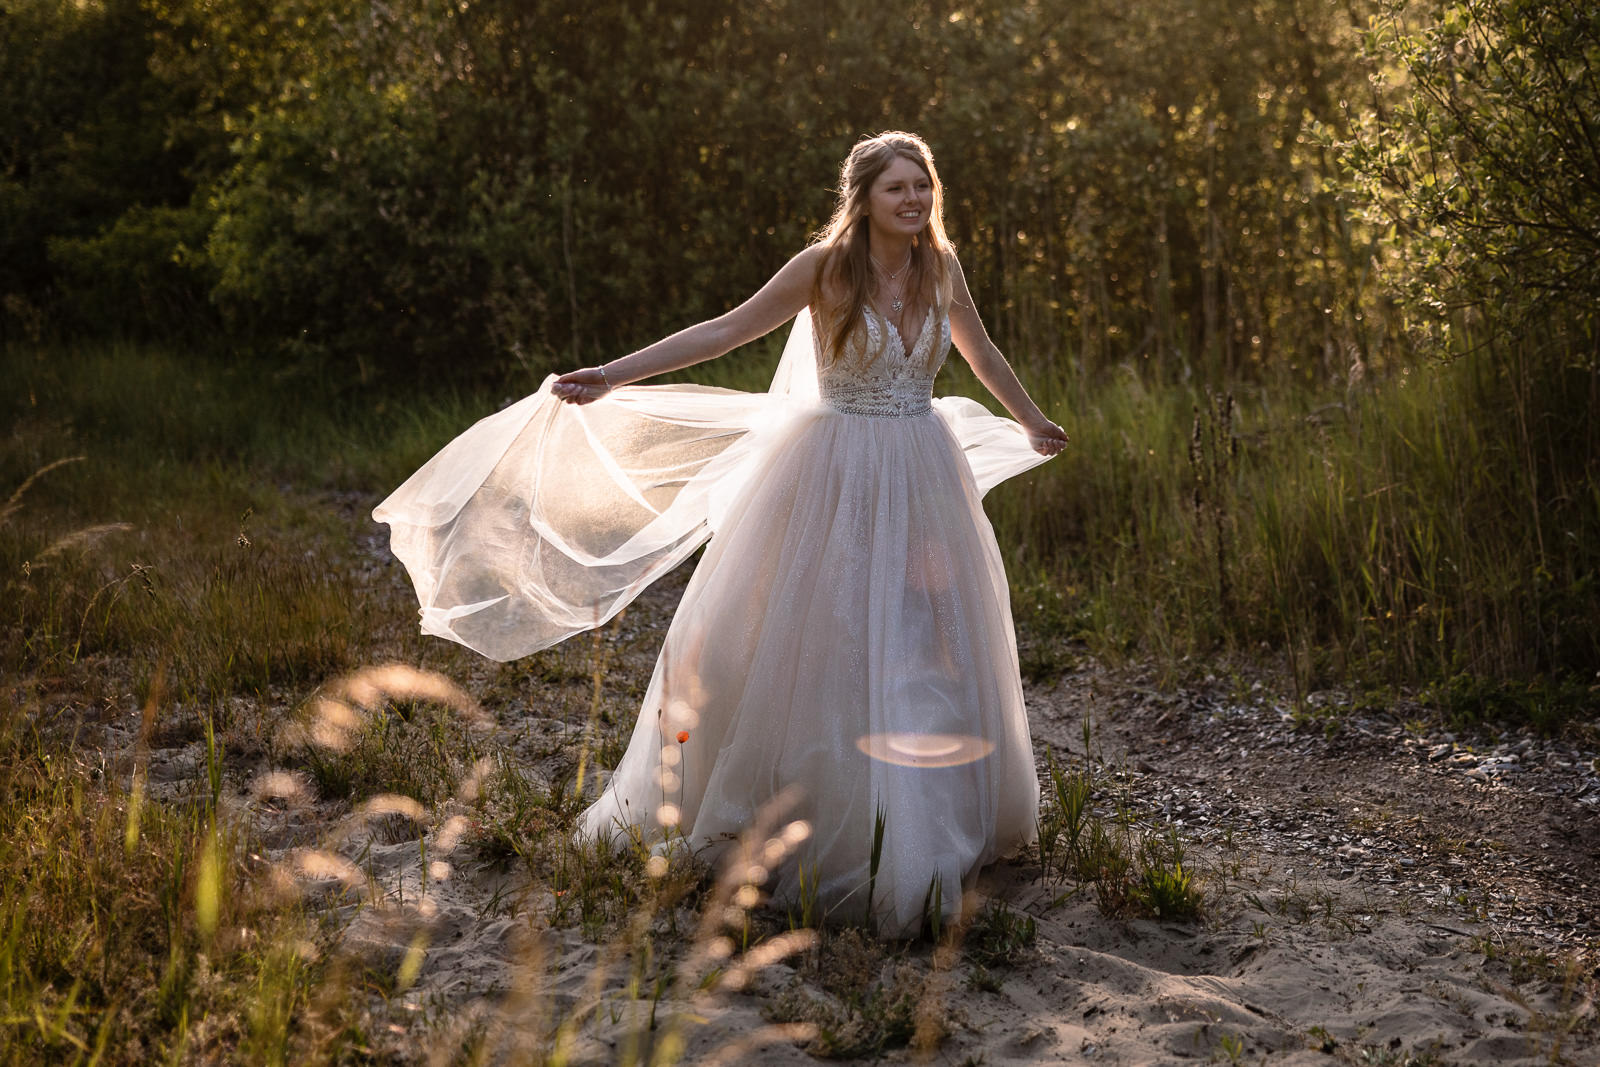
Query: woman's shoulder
x=806, y=266
x=818, y=258
x=812, y=256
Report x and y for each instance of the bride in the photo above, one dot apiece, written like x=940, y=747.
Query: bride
x=846, y=638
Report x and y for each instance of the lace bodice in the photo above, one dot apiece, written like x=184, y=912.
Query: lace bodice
x=880, y=378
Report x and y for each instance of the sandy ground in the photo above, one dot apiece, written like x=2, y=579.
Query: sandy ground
x=1377, y=893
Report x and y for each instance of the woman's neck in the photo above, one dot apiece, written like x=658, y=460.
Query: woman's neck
x=889, y=252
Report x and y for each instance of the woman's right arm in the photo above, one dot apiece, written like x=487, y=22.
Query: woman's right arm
x=780, y=300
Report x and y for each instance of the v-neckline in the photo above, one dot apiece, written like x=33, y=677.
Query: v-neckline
x=887, y=321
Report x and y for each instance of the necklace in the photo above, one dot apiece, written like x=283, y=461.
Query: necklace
x=895, y=302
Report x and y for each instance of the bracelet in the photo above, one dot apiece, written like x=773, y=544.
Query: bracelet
x=601, y=368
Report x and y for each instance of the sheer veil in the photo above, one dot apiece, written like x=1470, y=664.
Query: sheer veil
x=546, y=519
x=796, y=377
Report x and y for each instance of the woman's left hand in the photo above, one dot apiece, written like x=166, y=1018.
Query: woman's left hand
x=1047, y=438
x=581, y=386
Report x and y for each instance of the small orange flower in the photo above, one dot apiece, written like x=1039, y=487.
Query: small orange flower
x=683, y=735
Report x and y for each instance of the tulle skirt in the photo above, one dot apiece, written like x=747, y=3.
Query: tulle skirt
x=846, y=638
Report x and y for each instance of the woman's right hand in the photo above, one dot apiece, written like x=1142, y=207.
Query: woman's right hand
x=581, y=386
x=1047, y=438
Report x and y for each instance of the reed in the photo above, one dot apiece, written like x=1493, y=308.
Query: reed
x=1405, y=531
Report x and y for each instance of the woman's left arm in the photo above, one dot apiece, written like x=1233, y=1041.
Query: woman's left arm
x=966, y=329
x=774, y=304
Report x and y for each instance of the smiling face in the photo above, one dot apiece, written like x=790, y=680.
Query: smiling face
x=901, y=201
x=888, y=220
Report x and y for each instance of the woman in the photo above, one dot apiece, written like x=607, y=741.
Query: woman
x=847, y=637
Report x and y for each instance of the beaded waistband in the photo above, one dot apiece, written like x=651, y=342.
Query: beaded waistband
x=895, y=399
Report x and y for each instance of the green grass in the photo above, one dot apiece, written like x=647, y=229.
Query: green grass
x=163, y=544
x=160, y=511
x=162, y=431
x=137, y=932
x=1133, y=870
x=997, y=936
x=1408, y=531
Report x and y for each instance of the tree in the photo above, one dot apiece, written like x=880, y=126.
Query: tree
x=1489, y=169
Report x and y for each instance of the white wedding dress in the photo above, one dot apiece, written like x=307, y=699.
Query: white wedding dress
x=846, y=637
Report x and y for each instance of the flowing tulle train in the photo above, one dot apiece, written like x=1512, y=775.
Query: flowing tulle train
x=845, y=639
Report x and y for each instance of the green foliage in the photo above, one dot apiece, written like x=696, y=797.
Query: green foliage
x=145, y=273
x=1543, y=702
x=1488, y=166
x=1439, y=522
x=1484, y=524
x=513, y=184
x=1166, y=886
x=502, y=203
x=513, y=813
x=866, y=1022
x=88, y=135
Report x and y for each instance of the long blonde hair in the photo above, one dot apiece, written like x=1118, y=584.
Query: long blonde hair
x=846, y=268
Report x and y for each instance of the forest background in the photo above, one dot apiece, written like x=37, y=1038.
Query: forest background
x=1312, y=285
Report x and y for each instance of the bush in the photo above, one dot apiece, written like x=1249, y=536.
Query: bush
x=1487, y=166
x=145, y=274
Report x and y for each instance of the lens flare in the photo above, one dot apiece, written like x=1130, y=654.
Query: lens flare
x=925, y=750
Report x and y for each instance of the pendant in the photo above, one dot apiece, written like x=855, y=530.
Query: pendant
x=896, y=305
